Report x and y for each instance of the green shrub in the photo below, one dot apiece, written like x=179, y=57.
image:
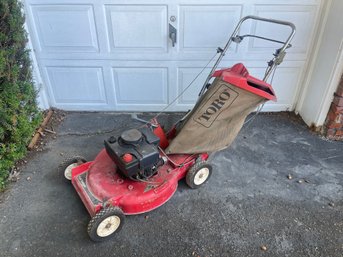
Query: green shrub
x=19, y=115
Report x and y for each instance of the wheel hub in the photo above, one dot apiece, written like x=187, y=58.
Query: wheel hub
x=108, y=226
x=201, y=176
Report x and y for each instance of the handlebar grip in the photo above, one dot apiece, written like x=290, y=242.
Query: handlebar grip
x=286, y=23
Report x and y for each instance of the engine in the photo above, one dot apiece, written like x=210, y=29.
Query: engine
x=135, y=153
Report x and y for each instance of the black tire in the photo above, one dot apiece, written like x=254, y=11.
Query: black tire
x=69, y=161
x=194, y=179
x=101, y=234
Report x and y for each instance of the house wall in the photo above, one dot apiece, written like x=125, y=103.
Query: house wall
x=326, y=68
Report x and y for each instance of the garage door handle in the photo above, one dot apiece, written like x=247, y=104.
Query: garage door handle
x=172, y=34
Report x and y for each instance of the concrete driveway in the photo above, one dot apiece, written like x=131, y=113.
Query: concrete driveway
x=248, y=202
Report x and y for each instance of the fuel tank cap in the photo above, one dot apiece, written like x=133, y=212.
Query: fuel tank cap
x=131, y=136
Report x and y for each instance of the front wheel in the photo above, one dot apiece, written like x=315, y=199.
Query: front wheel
x=69, y=163
x=198, y=174
x=105, y=224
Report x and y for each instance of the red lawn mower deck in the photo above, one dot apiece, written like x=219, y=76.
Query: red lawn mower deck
x=100, y=185
x=109, y=195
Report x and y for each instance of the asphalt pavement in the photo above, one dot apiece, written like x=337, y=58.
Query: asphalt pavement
x=276, y=191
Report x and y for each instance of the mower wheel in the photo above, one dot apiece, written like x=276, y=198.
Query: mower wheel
x=105, y=224
x=198, y=174
x=68, y=164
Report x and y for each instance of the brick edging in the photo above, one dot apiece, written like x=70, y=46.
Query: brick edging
x=333, y=127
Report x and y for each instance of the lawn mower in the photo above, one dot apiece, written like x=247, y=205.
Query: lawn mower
x=138, y=170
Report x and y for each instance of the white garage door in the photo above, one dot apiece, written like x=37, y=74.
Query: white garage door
x=117, y=55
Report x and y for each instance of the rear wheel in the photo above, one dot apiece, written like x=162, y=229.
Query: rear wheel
x=198, y=174
x=68, y=164
x=105, y=224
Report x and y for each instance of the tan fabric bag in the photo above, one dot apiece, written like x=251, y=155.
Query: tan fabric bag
x=216, y=119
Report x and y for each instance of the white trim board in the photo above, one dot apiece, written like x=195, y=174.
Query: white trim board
x=42, y=97
x=325, y=68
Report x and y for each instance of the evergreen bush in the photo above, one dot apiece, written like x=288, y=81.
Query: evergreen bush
x=19, y=115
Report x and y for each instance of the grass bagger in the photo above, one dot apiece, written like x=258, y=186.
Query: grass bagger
x=138, y=170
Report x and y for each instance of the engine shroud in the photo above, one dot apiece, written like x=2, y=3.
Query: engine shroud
x=135, y=152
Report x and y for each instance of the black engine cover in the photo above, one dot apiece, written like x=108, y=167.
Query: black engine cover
x=140, y=144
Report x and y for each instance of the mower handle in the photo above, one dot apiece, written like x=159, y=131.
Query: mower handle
x=278, y=56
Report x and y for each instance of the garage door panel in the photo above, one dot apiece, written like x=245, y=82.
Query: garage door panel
x=141, y=86
x=77, y=85
x=65, y=28
x=205, y=27
x=137, y=27
x=117, y=55
x=185, y=76
x=303, y=16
